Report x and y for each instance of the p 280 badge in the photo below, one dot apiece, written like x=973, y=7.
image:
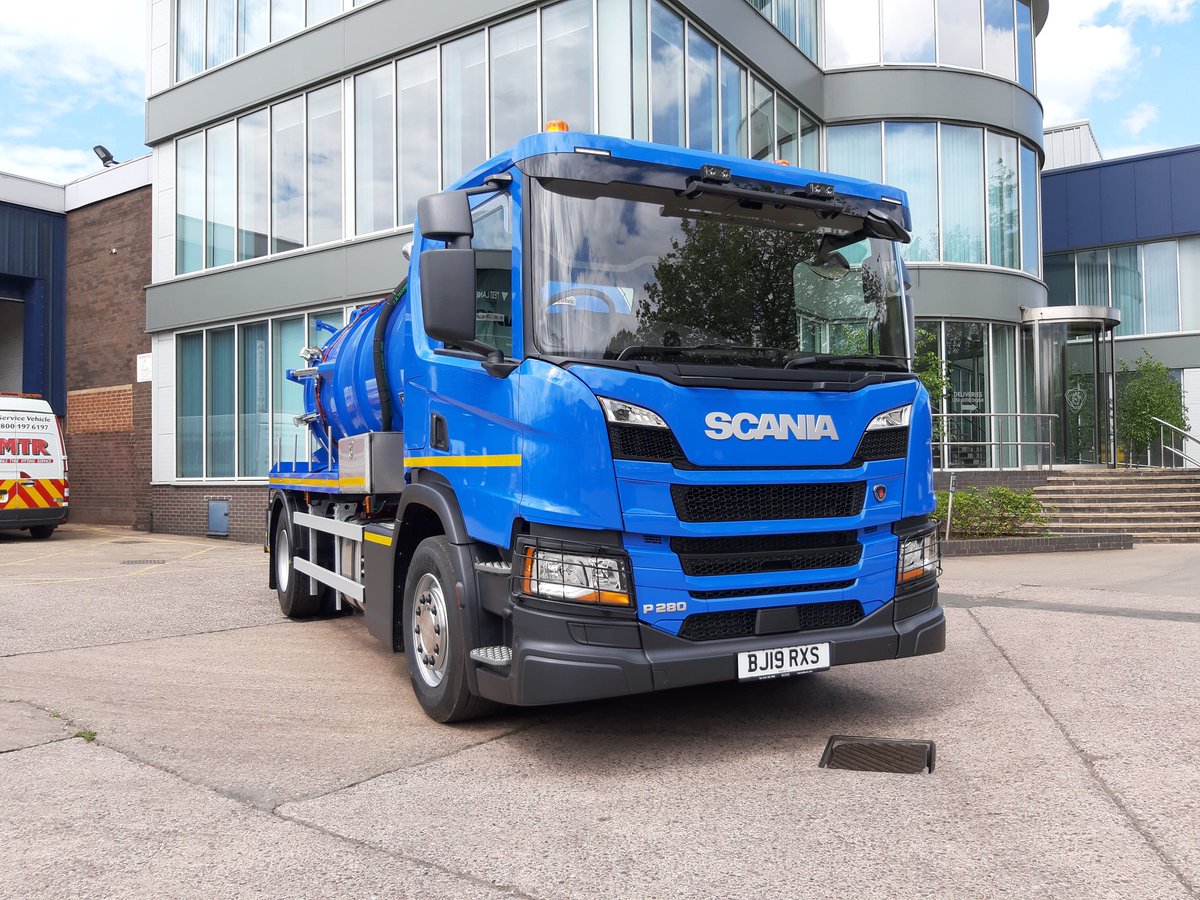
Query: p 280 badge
x=677, y=607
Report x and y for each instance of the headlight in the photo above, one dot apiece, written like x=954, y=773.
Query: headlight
x=578, y=578
x=919, y=556
x=623, y=413
x=893, y=418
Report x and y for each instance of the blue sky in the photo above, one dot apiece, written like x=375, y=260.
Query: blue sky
x=72, y=75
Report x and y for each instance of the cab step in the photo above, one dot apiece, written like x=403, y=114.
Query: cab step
x=496, y=657
x=494, y=568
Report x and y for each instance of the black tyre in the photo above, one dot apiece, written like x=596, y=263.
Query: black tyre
x=41, y=532
x=292, y=588
x=435, y=637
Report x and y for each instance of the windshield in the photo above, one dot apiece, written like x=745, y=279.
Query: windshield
x=641, y=276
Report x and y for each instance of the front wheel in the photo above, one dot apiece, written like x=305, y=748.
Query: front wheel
x=435, y=637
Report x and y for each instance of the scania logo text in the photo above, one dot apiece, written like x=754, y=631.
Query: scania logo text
x=782, y=427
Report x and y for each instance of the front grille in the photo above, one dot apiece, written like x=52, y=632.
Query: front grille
x=756, y=554
x=743, y=622
x=757, y=502
x=642, y=443
x=772, y=591
x=886, y=443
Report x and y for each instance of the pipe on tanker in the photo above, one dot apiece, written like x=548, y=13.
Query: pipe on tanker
x=385, y=393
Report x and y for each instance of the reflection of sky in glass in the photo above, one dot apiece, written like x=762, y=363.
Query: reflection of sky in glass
x=961, y=35
x=998, y=38
x=253, y=25
x=733, y=107
x=851, y=33
x=222, y=193
x=189, y=204
x=325, y=165
x=666, y=75
x=287, y=17
x=416, y=77
x=702, y=92
x=287, y=158
x=373, y=170
x=912, y=166
x=253, y=210
x=220, y=31
x=464, y=143
x=514, y=81
x=567, y=63
x=189, y=38
x=908, y=31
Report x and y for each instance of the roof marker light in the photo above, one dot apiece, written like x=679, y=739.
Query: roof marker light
x=593, y=151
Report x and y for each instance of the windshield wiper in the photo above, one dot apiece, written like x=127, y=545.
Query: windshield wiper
x=635, y=351
x=832, y=360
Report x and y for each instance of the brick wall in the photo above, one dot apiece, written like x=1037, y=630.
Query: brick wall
x=184, y=510
x=108, y=412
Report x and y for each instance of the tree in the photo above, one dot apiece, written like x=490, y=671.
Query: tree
x=1147, y=391
x=928, y=366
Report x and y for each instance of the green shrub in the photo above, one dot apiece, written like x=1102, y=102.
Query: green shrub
x=993, y=512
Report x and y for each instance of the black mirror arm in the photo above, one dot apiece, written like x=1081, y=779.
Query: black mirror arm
x=494, y=362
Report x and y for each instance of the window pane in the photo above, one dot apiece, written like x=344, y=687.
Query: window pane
x=189, y=405
x=702, y=92
x=810, y=143
x=788, y=132
x=962, y=195
x=514, y=75
x=567, y=63
x=733, y=108
x=967, y=361
x=1030, y=258
x=287, y=182
x=222, y=193
x=855, y=150
x=254, y=25
x=219, y=404
x=253, y=425
x=320, y=10
x=189, y=204
x=851, y=33
x=960, y=34
x=319, y=337
x=1162, y=287
x=908, y=31
x=1189, y=287
x=189, y=38
x=1025, y=44
x=785, y=18
x=999, y=47
x=1003, y=210
x=253, y=209
x=287, y=339
x=373, y=173
x=220, y=31
x=1092, y=274
x=666, y=75
x=464, y=106
x=325, y=165
x=417, y=132
x=1060, y=279
x=616, y=67
x=806, y=30
x=639, y=17
x=1126, y=271
x=912, y=166
x=287, y=17
x=762, y=121
x=493, y=277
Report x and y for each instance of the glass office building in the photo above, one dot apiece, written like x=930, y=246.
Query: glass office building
x=292, y=139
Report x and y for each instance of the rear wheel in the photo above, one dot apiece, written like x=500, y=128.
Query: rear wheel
x=294, y=599
x=435, y=637
x=41, y=532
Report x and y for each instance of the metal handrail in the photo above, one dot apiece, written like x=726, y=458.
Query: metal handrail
x=1163, y=446
x=998, y=443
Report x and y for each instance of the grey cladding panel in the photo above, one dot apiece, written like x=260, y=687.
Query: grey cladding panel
x=1175, y=351
x=974, y=293
x=363, y=270
x=897, y=93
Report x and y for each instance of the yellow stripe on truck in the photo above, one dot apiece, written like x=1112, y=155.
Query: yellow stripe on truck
x=377, y=538
x=494, y=461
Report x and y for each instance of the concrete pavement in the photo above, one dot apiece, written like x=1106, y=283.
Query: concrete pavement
x=237, y=753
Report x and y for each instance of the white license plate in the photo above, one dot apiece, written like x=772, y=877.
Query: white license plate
x=782, y=661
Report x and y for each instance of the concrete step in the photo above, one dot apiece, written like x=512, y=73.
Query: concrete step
x=1184, y=510
x=1130, y=515
x=1179, y=528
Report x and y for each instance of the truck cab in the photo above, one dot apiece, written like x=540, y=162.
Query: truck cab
x=639, y=417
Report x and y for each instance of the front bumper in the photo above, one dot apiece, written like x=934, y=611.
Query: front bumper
x=560, y=657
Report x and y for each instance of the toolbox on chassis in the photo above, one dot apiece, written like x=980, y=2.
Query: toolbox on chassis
x=639, y=417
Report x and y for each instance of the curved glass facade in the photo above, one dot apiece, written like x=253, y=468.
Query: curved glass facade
x=973, y=191
x=993, y=36
x=352, y=157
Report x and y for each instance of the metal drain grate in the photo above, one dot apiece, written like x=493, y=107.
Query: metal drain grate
x=861, y=754
x=134, y=541
x=143, y=562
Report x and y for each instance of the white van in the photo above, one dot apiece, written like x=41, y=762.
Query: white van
x=33, y=466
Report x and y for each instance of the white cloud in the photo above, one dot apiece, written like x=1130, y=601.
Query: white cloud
x=58, y=165
x=1087, y=50
x=1138, y=118
x=1133, y=150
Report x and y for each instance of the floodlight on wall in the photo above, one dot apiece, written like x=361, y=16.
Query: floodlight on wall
x=105, y=157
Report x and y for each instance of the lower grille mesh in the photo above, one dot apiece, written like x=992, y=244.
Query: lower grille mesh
x=758, y=502
x=741, y=623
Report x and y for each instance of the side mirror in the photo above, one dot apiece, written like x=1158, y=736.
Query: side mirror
x=446, y=217
x=881, y=223
x=448, y=293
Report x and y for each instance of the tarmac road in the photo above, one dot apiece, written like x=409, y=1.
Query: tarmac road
x=236, y=753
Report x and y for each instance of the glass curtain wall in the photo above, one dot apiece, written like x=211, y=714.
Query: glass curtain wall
x=795, y=19
x=973, y=192
x=275, y=179
x=993, y=36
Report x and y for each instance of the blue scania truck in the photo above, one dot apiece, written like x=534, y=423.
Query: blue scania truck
x=639, y=417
